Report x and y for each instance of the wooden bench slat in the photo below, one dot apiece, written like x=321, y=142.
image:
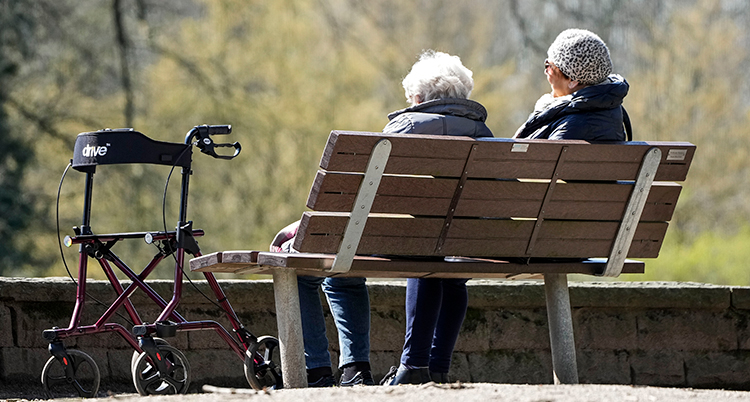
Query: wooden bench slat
x=317, y=264
x=442, y=156
x=399, y=165
x=206, y=261
x=598, y=161
x=413, y=145
x=476, y=237
x=225, y=262
x=492, y=198
x=263, y=263
x=504, y=169
x=348, y=183
x=513, y=247
x=333, y=224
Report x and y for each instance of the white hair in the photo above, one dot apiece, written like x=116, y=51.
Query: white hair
x=438, y=75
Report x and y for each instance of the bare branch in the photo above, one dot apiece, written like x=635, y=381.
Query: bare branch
x=528, y=41
x=45, y=123
x=123, y=45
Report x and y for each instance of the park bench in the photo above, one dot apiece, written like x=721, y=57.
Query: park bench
x=396, y=206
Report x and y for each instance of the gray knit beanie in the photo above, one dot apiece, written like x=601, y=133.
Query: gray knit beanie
x=581, y=55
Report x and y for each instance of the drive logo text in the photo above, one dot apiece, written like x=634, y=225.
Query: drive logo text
x=91, y=151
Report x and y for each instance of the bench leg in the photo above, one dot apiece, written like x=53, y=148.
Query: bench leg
x=289, y=322
x=560, y=319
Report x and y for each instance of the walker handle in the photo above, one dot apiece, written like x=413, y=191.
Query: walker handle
x=207, y=145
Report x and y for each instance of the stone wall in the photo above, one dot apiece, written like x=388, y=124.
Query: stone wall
x=661, y=334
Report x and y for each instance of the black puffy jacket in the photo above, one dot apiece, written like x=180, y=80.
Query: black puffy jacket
x=449, y=116
x=593, y=113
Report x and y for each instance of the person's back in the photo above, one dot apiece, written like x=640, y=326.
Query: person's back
x=437, y=88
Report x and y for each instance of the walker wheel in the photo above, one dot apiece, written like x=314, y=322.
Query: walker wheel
x=149, y=381
x=134, y=358
x=263, y=364
x=84, y=382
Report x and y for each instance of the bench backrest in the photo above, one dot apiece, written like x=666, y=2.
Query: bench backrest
x=496, y=197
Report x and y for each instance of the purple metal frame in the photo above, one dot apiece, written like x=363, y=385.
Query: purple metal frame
x=138, y=282
x=88, y=241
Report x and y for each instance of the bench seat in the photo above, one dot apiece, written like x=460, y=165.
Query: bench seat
x=264, y=263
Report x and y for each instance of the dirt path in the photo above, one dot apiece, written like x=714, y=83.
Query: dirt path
x=450, y=393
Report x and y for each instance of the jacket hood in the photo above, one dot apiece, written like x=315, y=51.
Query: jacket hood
x=607, y=95
x=449, y=106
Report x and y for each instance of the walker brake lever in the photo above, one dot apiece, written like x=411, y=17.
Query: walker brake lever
x=207, y=144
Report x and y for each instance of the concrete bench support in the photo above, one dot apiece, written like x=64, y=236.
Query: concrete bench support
x=560, y=319
x=289, y=321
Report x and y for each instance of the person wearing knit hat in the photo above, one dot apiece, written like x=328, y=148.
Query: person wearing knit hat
x=581, y=56
x=586, y=98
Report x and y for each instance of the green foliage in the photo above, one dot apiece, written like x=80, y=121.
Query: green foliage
x=712, y=257
x=683, y=92
x=285, y=73
x=17, y=207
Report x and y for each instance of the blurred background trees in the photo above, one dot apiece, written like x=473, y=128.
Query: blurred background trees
x=285, y=73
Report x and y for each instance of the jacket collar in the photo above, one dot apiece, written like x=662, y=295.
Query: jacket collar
x=447, y=106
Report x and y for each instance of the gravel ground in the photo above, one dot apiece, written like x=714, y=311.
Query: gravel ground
x=433, y=393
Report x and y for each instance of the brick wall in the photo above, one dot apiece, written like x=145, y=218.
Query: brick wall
x=661, y=334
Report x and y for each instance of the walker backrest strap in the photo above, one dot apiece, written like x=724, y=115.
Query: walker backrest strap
x=108, y=147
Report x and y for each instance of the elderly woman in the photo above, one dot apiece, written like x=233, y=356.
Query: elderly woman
x=586, y=100
x=437, y=89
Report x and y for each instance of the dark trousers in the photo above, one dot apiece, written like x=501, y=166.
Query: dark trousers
x=435, y=310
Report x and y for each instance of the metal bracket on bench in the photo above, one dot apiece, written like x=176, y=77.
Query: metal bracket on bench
x=633, y=210
x=362, y=206
x=547, y=197
x=454, y=201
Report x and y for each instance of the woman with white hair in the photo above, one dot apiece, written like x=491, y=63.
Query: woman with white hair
x=586, y=99
x=437, y=88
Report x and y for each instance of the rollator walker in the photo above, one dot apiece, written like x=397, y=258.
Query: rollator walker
x=157, y=367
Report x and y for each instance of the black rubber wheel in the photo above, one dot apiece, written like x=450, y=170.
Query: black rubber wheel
x=263, y=364
x=84, y=382
x=134, y=358
x=148, y=380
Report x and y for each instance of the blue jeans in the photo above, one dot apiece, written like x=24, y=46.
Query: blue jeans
x=435, y=311
x=350, y=306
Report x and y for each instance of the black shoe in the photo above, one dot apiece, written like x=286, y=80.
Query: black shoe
x=389, y=376
x=323, y=382
x=360, y=378
x=411, y=376
x=440, y=378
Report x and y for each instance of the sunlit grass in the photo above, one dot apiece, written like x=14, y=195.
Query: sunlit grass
x=712, y=257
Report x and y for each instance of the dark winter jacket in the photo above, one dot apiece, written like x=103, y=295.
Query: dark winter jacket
x=593, y=113
x=448, y=116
